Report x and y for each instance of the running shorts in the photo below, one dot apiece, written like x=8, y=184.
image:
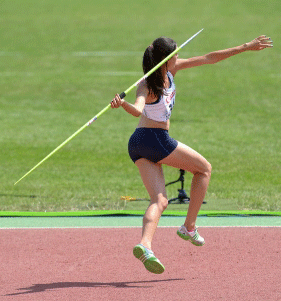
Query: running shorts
x=153, y=144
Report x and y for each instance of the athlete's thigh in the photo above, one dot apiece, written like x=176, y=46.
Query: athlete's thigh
x=153, y=177
x=184, y=157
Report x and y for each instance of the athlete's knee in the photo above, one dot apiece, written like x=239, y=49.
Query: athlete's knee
x=161, y=201
x=208, y=170
x=164, y=203
x=205, y=170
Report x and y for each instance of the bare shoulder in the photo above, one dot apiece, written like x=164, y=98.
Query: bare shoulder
x=143, y=92
x=142, y=87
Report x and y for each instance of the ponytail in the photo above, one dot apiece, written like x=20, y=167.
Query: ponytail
x=153, y=55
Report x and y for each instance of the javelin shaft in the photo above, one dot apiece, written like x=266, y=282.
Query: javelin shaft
x=54, y=151
x=122, y=95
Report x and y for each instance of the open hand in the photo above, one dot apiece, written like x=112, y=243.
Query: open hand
x=260, y=43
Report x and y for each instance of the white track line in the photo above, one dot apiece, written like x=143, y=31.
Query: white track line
x=102, y=53
x=107, y=53
x=123, y=227
x=91, y=73
x=124, y=53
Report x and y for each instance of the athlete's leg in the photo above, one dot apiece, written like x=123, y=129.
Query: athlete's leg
x=184, y=157
x=153, y=179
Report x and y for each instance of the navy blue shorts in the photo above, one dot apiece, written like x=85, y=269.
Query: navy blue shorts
x=151, y=144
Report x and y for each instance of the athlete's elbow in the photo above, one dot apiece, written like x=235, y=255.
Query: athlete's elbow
x=136, y=114
x=211, y=59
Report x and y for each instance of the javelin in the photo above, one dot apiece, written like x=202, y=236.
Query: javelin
x=122, y=95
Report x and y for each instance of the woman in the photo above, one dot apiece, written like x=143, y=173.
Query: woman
x=150, y=146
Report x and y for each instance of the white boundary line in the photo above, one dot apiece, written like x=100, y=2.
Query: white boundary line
x=124, y=53
x=107, y=53
x=91, y=73
x=101, y=53
x=124, y=227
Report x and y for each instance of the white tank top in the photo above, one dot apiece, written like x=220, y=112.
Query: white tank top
x=161, y=109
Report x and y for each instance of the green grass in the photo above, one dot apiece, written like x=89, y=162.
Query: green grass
x=229, y=112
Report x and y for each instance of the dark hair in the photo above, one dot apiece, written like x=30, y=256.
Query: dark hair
x=153, y=55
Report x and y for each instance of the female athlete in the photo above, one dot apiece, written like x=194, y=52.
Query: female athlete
x=150, y=146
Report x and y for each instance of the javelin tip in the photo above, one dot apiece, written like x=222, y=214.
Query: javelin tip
x=195, y=35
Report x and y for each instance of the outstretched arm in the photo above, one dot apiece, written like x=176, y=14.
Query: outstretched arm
x=259, y=43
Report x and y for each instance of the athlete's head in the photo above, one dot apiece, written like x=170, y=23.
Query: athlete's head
x=153, y=55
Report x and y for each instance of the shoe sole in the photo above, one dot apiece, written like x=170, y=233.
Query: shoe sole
x=152, y=264
x=194, y=242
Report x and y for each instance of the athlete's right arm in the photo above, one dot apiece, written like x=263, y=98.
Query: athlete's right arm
x=133, y=109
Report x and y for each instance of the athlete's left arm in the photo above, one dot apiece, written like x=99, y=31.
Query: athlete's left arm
x=259, y=43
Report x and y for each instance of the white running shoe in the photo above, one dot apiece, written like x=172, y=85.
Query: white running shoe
x=193, y=236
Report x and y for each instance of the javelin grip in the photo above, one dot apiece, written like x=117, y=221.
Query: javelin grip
x=122, y=95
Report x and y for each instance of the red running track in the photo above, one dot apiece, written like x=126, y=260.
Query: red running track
x=98, y=264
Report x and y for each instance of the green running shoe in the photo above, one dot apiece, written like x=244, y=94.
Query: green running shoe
x=193, y=237
x=146, y=256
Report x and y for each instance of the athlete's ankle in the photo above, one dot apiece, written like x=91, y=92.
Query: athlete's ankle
x=190, y=228
x=146, y=244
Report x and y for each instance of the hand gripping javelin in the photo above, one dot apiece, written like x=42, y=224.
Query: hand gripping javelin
x=122, y=95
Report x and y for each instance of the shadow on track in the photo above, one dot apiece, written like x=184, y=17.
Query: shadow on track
x=37, y=288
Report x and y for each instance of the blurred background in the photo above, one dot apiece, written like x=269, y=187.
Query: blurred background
x=62, y=61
